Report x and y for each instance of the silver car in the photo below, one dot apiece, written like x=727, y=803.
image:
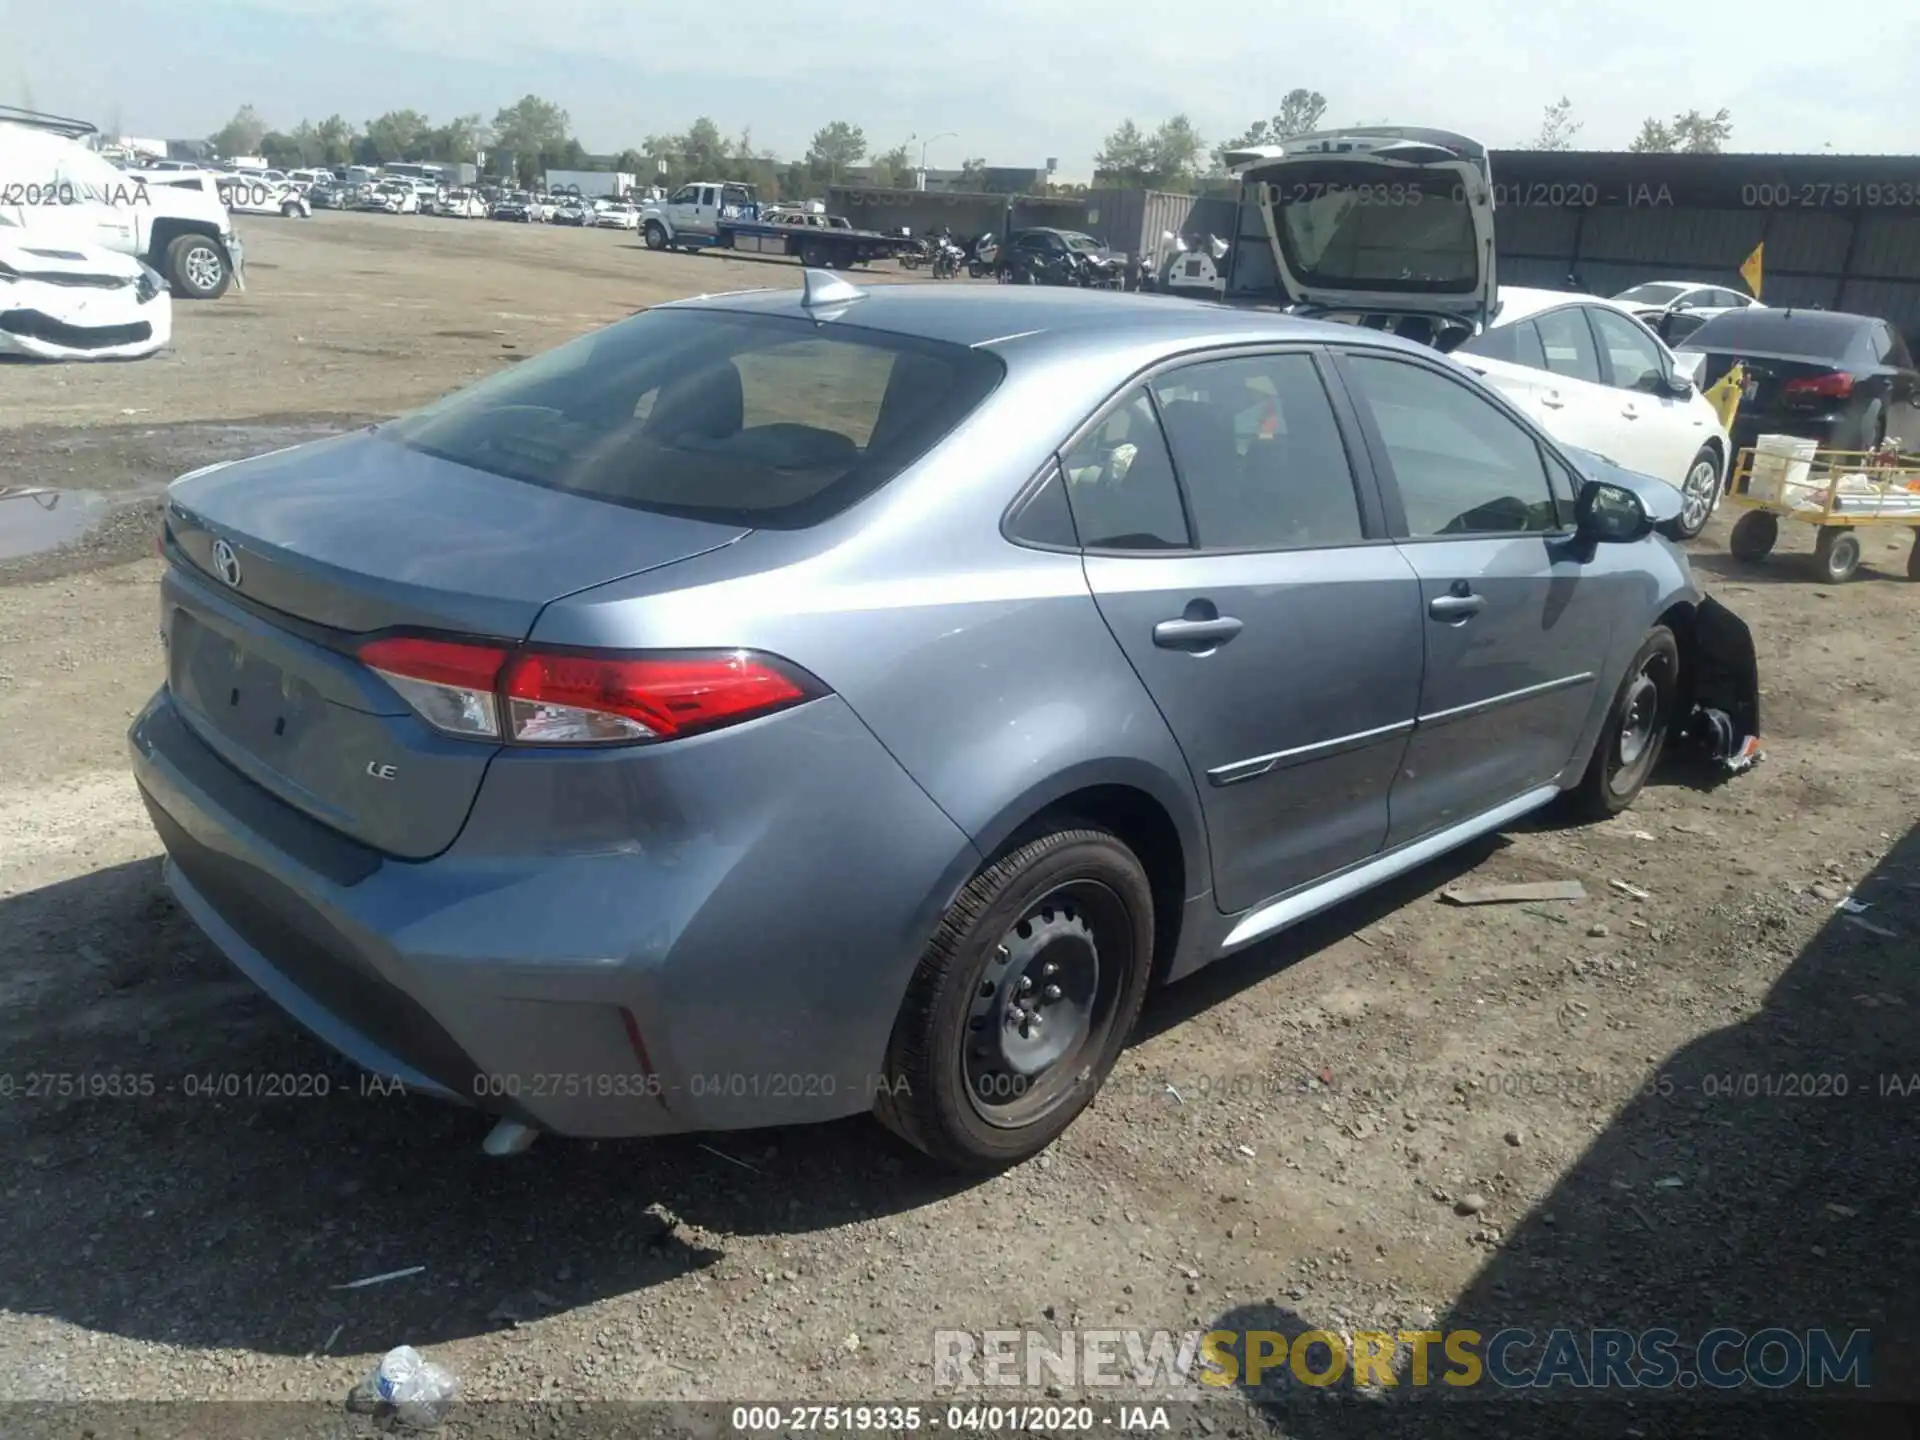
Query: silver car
x=791, y=704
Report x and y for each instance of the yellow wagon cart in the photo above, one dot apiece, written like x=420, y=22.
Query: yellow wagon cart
x=1839, y=492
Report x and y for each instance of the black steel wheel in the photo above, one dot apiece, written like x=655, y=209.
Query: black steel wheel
x=1635, y=730
x=1022, y=1001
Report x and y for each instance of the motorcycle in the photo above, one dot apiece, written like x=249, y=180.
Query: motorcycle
x=914, y=254
x=944, y=263
x=985, y=259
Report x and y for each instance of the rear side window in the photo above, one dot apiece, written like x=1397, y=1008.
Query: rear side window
x=1260, y=454
x=1120, y=483
x=753, y=420
x=1568, y=344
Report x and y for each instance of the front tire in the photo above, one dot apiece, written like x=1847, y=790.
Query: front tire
x=1635, y=730
x=197, y=268
x=656, y=235
x=1699, y=493
x=1022, y=1001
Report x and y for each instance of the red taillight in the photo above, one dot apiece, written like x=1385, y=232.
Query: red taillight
x=554, y=697
x=540, y=697
x=1836, y=386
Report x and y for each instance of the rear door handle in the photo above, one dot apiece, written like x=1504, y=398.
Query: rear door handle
x=1630, y=413
x=1456, y=608
x=1553, y=401
x=1195, y=634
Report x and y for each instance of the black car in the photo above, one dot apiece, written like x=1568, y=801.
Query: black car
x=1046, y=256
x=1846, y=381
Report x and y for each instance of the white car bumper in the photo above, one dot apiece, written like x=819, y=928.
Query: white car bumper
x=72, y=318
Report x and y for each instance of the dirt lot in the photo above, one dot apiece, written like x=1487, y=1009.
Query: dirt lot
x=1290, y=1142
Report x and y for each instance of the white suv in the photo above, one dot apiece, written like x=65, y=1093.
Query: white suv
x=52, y=184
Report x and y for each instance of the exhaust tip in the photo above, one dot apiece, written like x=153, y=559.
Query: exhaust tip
x=509, y=1137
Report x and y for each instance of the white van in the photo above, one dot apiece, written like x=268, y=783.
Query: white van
x=52, y=184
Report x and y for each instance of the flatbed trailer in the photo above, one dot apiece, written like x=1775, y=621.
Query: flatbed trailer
x=712, y=215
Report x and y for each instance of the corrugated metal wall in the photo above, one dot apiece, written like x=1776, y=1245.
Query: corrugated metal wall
x=1840, y=260
x=967, y=215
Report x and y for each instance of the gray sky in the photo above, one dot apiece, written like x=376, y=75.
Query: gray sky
x=1020, y=80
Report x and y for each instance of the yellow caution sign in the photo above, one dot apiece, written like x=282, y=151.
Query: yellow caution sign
x=1750, y=269
x=1725, y=394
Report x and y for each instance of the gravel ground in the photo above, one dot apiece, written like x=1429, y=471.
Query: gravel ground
x=1404, y=1115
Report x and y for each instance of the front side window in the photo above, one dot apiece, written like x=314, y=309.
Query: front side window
x=1260, y=454
x=752, y=420
x=1463, y=466
x=1121, y=485
x=685, y=195
x=1631, y=352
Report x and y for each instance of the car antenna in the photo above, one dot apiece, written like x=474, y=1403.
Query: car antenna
x=823, y=287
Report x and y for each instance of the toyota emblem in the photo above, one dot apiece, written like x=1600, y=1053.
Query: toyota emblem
x=226, y=564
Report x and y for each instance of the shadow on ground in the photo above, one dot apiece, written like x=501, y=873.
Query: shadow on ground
x=1768, y=1176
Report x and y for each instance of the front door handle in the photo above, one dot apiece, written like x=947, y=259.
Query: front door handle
x=1629, y=412
x=1553, y=401
x=1195, y=634
x=1456, y=608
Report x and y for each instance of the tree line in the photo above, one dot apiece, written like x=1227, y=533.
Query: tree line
x=1174, y=156
x=538, y=135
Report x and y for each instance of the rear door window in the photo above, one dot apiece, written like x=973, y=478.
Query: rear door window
x=1519, y=344
x=1568, y=344
x=1259, y=454
x=754, y=420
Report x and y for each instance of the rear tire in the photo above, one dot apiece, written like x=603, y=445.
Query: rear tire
x=1754, y=535
x=1635, y=730
x=1022, y=1001
x=1836, y=553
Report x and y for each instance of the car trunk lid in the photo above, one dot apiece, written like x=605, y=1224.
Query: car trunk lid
x=1767, y=375
x=1387, y=220
x=284, y=564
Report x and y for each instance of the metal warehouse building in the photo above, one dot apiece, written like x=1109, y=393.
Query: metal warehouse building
x=1841, y=231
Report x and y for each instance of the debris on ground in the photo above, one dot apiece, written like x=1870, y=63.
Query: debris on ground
x=1514, y=894
x=414, y=1390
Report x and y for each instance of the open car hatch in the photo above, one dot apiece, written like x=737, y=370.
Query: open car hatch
x=1379, y=220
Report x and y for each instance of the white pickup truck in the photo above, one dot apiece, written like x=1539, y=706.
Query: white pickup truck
x=53, y=185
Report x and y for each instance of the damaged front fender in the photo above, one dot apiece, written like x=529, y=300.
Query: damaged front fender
x=1718, y=717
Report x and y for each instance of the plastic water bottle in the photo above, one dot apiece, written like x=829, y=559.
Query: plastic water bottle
x=420, y=1391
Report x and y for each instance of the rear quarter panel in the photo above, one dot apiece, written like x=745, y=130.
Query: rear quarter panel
x=983, y=666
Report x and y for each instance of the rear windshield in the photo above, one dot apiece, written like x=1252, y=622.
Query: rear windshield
x=1409, y=230
x=1656, y=294
x=756, y=420
x=1808, y=333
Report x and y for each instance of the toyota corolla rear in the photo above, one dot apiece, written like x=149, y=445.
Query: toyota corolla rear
x=603, y=889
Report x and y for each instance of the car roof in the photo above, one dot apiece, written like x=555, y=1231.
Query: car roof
x=1514, y=303
x=1051, y=317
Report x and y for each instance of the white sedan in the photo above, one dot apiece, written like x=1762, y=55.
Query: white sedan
x=64, y=300
x=616, y=215
x=1592, y=374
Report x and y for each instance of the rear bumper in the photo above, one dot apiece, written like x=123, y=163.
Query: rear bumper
x=722, y=940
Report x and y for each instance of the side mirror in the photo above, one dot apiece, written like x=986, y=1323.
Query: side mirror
x=1689, y=364
x=1610, y=514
